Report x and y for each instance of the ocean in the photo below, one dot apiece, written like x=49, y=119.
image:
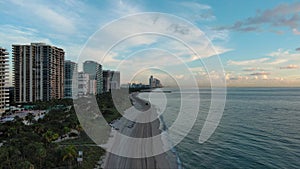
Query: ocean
x=260, y=128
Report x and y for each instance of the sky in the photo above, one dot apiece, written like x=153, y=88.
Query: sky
x=257, y=43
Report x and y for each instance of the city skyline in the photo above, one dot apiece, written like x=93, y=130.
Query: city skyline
x=41, y=73
x=244, y=42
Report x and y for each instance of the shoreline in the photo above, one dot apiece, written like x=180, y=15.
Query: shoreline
x=165, y=160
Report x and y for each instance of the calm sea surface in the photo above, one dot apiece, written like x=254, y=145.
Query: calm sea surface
x=260, y=128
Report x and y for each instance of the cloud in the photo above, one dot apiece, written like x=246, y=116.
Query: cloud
x=197, y=12
x=278, y=61
x=260, y=74
x=46, y=14
x=14, y=34
x=266, y=71
x=121, y=8
x=296, y=32
x=286, y=55
x=290, y=67
x=247, y=62
x=154, y=30
x=283, y=15
x=253, y=69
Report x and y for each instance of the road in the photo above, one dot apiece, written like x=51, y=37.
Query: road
x=140, y=130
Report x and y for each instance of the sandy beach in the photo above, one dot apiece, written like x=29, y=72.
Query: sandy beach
x=138, y=130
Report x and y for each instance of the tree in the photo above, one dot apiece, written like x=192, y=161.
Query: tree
x=41, y=153
x=50, y=136
x=69, y=154
x=66, y=130
x=25, y=164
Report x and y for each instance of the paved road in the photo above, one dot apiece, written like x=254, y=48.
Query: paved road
x=140, y=130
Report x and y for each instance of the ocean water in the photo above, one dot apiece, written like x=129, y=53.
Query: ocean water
x=260, y=128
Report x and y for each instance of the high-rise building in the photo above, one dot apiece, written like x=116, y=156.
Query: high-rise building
x=71, y=79
x=38, y=72
x=151, y=79
x=106, y=80
x=83, y=84
x=99, y=79
x=92, y=87
x=90, y=67
x=4, y=92
x=111, y=80
x=154, y=83
x=94, y=70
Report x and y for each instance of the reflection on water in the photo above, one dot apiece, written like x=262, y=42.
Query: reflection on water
x=260, y=128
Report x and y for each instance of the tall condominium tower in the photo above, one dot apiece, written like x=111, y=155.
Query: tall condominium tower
x=94, y=70
x=38, y=72
x=4, y=93
x=71, y=79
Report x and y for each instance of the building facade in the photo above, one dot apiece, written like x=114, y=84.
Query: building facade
x=92, y=87
x=71, y=79
x=154, y=83
x=90, y=67
x=83, y=84
x=4, y=92
x=99, y=79
x=106, y=80
x=38, y=72
x=111, y=80
x=94, y=70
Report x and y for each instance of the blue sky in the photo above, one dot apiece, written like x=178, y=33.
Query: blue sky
x=257, y=41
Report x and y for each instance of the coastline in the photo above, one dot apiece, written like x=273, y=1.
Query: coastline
x=138, y=130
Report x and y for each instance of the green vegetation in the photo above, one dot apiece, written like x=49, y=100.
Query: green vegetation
x=33, y=146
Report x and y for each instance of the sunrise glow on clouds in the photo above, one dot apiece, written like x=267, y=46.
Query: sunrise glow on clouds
x=259, y=45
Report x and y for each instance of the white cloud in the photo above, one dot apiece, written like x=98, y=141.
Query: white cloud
x=278, y=61
x=252, y=62
x=46, y=15
x=285, y=54
x=296, y=32
x=158, y=31
x=124, y=8
x=11, y=35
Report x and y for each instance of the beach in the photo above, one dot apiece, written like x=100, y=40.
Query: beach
x=138, y=130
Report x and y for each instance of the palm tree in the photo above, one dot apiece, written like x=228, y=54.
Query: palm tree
x=69, y=154
x=50, y=136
